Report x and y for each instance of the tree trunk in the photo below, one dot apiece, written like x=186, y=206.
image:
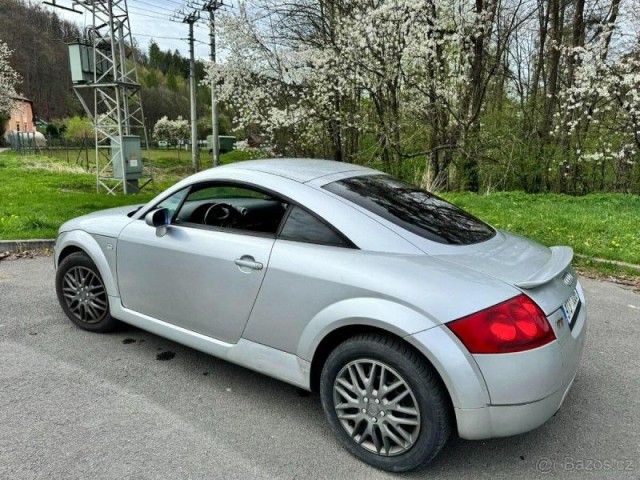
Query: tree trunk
x=577, y=38
x=553, y=64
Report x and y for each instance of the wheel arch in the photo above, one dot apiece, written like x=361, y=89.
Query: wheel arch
x=68, y=250
x=79, y=241
x=339, y=335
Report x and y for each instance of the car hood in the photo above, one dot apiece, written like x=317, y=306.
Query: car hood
x=532, y=268
x=108, y=222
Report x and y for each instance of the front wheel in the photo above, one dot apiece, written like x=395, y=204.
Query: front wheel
x=385, y=402
x=82, y=294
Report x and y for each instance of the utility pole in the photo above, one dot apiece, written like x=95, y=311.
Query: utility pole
x=190, y=19
x=211, y=6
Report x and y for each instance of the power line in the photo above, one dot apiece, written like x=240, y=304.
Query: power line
x=145, y=12
x=150, y=4
x=150, y=10
x=167, y=19
x=164, y=38
x=182, y=4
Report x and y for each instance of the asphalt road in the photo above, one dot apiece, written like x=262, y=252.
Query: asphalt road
x=80, y=405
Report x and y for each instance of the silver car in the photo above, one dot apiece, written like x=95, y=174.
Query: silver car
x=411, y=318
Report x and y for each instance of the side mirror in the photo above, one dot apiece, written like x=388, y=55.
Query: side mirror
x=159, y=219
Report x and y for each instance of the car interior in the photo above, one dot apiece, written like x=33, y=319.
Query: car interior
x=237, y=208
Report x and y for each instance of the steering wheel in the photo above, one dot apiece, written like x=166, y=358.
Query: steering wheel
x=221, y=215
x=197, y=216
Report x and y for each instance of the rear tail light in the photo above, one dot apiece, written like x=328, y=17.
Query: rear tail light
x=513, y=326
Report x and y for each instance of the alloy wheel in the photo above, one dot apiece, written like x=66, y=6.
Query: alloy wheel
x=84, y=294
x=376, y=407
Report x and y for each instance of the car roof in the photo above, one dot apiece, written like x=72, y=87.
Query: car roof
x=299, y=169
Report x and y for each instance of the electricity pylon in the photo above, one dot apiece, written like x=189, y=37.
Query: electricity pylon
x=109, y=91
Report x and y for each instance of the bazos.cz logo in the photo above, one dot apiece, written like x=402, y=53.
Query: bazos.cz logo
x=549, y=465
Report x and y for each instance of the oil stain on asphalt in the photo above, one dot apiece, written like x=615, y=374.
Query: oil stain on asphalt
x=164, y=356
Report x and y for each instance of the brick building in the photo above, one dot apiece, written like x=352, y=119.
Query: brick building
x=22, y=118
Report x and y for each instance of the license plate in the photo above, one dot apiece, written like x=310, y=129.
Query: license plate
x=570, y=307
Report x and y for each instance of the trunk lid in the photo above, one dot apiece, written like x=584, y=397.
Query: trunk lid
x=538, y=271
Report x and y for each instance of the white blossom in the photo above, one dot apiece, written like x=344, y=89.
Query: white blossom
x=9, y=79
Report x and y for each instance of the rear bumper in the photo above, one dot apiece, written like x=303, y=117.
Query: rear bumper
x=506, y=394
x=530, y=388
x=505, y=420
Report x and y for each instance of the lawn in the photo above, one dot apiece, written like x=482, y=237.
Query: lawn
x=37, y=194
x=599, y=225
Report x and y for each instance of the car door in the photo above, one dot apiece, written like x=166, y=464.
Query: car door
x=204, y=278
x=311, y=268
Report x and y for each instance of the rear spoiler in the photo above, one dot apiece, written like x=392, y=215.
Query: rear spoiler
x=560, y=259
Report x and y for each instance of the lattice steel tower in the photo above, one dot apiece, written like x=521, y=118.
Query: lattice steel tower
x=105, y=80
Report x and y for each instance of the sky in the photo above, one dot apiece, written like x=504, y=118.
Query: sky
x=150, y=20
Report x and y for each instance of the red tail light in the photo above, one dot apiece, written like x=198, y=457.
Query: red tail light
x=513, y=326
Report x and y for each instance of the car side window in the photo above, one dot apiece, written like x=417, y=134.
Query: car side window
x=235, y=207
x=173, y=202
x=301, y=226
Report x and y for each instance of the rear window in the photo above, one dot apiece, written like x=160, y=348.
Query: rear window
x=413, y=209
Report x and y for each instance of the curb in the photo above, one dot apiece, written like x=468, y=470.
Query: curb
x=17, y=246
x=612, y=262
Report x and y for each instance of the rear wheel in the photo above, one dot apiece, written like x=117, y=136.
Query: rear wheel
x=385, y=402
x=82, y=294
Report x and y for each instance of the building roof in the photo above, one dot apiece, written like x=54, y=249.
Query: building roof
x=22, y=97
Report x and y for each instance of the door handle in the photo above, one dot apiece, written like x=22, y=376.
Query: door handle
x=243, y=262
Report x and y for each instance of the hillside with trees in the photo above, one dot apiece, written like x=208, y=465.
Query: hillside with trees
x=36, y=35
x=164, y=76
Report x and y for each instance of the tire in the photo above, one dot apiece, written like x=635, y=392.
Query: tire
x=82, y=294
x=366, y=421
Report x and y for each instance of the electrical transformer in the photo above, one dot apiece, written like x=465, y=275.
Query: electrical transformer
x=81, y=63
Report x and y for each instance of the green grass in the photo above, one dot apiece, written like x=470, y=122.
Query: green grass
x=600, y=225
x=37, y=194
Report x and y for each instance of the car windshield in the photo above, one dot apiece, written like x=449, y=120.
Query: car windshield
x=413, y=209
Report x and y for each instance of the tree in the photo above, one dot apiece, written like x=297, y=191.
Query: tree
x=472, y=94
x=171, y=130
x=182, y=128
x=79, y=128
x=172, y=82
x=155, y=55
x=163, y=130
x=9, y=79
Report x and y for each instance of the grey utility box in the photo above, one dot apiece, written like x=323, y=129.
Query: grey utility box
x=132, y=158
x=81, y=63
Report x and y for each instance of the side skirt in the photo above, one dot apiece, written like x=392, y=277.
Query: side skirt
x=272, y=362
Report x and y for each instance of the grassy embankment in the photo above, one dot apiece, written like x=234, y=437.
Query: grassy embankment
x=37, y=194
x=598, y=226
